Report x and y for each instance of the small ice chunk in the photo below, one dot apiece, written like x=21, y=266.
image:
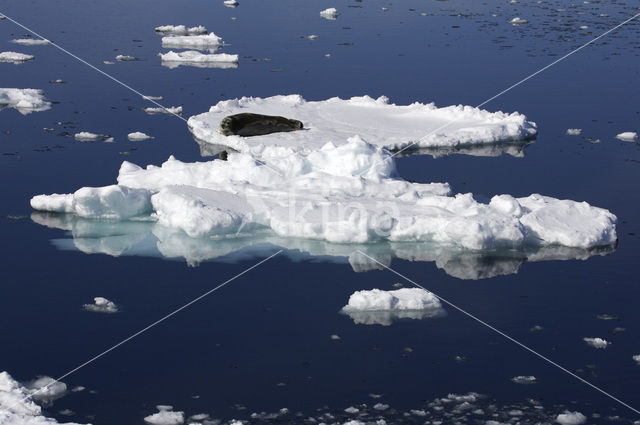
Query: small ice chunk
x=200, y=42
x=176, y=110
x=524, y=379
x=596, y=342
x=231, y=3
x=352, y=410
x=193, y=56
x=330, y=13
x=181, y=30
x=46, y=388
x=584, y=27
x=31, y=41
x=24, y=100
x=15, y=57
x=400, y=299
x=126, y=58
x=380, y=406
x=628, y=136
x=574, y=131
x=101, y=305
x=86, y=136
x=311, y=36
x=138, y=136
x=335, y=337
x=636, y=358
x=165, y=416
x=518, y=21
x=571, y=418
x=152, y=97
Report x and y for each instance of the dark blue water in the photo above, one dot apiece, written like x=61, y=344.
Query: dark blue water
x=264, y=341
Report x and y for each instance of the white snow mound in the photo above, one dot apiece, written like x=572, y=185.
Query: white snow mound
x=379, y=122
x=24, y=100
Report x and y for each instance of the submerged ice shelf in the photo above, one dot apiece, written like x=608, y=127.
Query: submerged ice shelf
x=377, y=121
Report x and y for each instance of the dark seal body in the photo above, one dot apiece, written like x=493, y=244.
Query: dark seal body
x=247, y=124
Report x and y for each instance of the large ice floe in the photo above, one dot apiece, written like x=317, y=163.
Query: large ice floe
x=377, y=121
x=321, y=185
x=15, y=57
x=24, y=100
x=173, y=59
x=16, y=406
x=200, y=42
x=181, y=30
x=378, y=307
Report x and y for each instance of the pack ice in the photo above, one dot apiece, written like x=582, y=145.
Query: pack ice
x=347, y=193
x=377, y=121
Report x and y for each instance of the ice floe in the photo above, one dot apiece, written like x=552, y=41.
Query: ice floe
x=31, y=41
x=181, y=30
x=574, y=131
x=200, y=42
x=518, y=21
x=23, y=100
x=177, y=110
x=342, y=194
x=101, y=305
x=596, y=342
x=628, y=136
x=16, y=406
x=231, y=3
x=138, y=136
x=330, y=13
x=524, y=379
x=15, y=57
x=86, y=136
x=383, y=307
x=636, y=358
x=571, y=418
x=377, y=121
x=46, y=389
x=126, y=58
x=173, y=59
x=165, y=416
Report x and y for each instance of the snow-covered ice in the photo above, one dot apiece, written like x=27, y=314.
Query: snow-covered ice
x=636, y=358
x=24, y=100
x=384, y=307
x=138, y=136
x=168, y=110
x=574, y=131
x=165, y=416
x=200, y=42
x=86, y=136
x=181, y=30
x=31, y=41
x=518, y=21
x=596, y=342
x=15, y=57
x=377, y=121
x=15, y=406
x=231, y=3
x=628, y=136
x=330, y=13
x=524, y=379
x=101, y=305
x=571, y=418
x=46, y=388
x=191, y=57
x=343, y=194
x=126, y=58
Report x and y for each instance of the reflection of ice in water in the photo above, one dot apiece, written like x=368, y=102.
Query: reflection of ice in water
x=149, y=239
x=386, y=318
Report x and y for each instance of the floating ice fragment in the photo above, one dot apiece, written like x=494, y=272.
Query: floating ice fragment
x=165, y=416
x=231, y=3
x=15, y=57
x=377, y=121
x=352, y=410
x=596, y=342
x=636, y=358
x=126, y=58
x=177, y=110
x=31, y=41
x=138, y=136
x=574, y=131
x=200, y=42
x=518, y=21
x=23, y=100
x=335, y=337
x=524, y=379
x=628, y=136
x=101, y=305
x=152, y=97
x=571, y=418
x=46, y=389
x=194, y=57
x=380, y=406
x=86, y=136
x=181, y=30
x=330, y=13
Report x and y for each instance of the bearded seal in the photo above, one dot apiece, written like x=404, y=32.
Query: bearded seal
x=248, y=124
